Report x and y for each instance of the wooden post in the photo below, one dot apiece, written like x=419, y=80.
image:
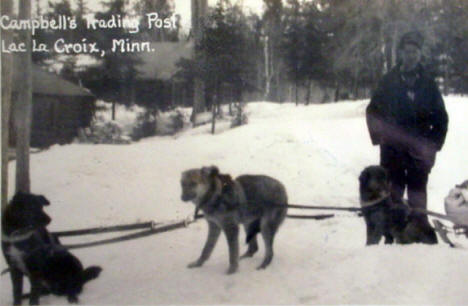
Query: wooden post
x=7, y=63
x=23, y=105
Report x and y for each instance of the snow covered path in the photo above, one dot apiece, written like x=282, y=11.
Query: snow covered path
x=317, y=151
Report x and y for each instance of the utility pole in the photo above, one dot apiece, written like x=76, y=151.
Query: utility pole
x=23, y=105
x=6, y=8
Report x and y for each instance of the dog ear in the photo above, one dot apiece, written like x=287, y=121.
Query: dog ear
x=43, y=200
x=214, y=171
x=210, y=171
x=364, y=177
x=227, y=182
x=225, y=178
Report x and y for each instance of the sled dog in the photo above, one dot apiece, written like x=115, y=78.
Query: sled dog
x=257, y=202
x=383, y=217
x=30, y=250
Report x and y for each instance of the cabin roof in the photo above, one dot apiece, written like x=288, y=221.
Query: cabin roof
x=48, y=83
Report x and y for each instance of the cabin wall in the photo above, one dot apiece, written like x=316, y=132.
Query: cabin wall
x=56, y=119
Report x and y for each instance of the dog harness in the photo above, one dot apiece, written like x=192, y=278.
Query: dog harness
x=18, y=236
x=373, y=202
x=29, y=248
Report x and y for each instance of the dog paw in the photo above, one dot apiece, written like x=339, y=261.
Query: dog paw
x=263, y=266
x=195, y=264
x=246, y=255
x=231, y=270
x=266, y=262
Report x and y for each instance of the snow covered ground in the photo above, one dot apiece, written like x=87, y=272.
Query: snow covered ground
x=317, y=151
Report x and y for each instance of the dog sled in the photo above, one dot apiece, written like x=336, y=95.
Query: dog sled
x=456, y=212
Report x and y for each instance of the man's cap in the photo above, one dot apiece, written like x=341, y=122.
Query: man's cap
x=412, y=37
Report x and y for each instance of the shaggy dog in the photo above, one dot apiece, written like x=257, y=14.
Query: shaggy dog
x=30, y=250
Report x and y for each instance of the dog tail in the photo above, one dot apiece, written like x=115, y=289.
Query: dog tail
x=91, y=273
x=252, y=230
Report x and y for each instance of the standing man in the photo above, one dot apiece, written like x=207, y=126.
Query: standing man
x=407, y=118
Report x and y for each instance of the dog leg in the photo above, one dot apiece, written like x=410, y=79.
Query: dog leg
x=268, y=229
x=232, y=236
x=252, y=248
x=213, y=235
x=72, y=299
x=388, y=239
x=374, y=234
x=17, y=283
x=419, y=230
x=251, y=231
x=36, y=289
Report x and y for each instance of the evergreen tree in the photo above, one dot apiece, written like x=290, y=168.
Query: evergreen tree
x=293, y=44
x=303, y=44
x=450, y=44
x=112, y=80
x=273, y=29
x=164, y=9
x=227, y=46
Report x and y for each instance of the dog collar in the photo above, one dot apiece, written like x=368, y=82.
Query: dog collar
x=18, y=236
x=373, y=202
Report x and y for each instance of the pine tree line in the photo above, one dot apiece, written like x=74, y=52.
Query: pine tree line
x=341, y=45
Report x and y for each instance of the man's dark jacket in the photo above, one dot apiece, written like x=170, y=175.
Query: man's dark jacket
x=410, y=119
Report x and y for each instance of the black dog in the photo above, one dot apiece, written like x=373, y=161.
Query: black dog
x=31, y=250
x=394, y=221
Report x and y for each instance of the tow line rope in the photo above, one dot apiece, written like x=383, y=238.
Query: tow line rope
x=107, y=229
x=149, y=228
x=152, y=228
x=351, y=209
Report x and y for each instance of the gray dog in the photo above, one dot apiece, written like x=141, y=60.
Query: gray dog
x=257, y=202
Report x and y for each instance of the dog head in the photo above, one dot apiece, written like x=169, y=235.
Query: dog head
x=373, y=183
x=197, y=183
x=25, y=211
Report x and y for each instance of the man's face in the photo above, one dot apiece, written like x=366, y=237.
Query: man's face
x=410, y=57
